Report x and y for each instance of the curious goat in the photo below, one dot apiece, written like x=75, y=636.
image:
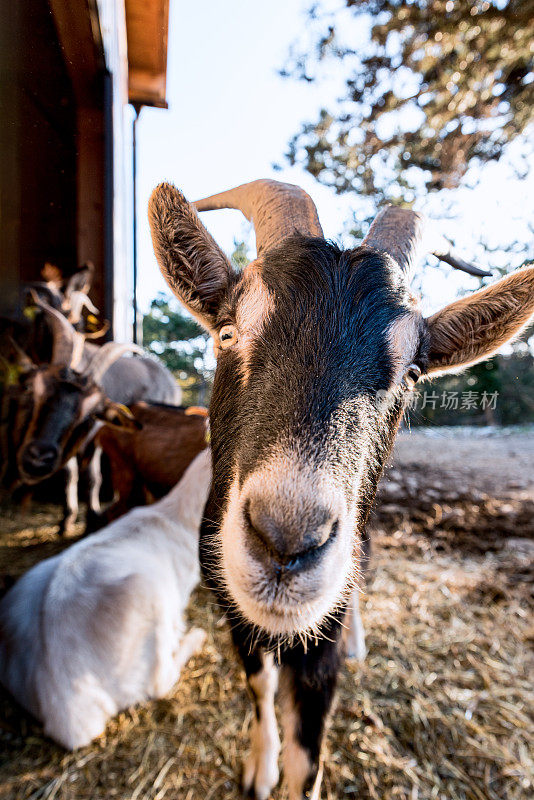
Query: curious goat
x=317, y=352
x=100, y=626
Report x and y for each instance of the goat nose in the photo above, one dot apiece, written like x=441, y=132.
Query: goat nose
x=40, y=453
x=291, y=541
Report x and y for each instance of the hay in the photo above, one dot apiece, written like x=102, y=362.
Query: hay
x=441, y=710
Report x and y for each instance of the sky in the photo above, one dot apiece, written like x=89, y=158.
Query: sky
x=231, y=116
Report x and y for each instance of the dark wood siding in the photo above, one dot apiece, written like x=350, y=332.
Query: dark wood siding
x=38, y=191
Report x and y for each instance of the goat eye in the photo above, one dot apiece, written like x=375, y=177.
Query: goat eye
x=411, y=376
x=227, y=336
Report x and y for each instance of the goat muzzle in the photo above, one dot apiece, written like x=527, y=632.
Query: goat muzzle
x=39, y=459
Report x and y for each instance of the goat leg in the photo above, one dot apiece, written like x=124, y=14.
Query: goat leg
x=70, y=514
x=354, y=634
x=307, y=681
x=260, y=770
x=95, y=481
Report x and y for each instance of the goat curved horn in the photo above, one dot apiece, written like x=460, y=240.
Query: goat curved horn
x=406, y=236
x=67, y=348
x=277, y=210
x=106, y=356
x=98, y=333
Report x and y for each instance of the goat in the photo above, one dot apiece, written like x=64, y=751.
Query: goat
x=317, y=352
x=100, y=626
x=69, y=295
x=126, y=381
x=149, y=461
x=59, y=401
x=32, y=332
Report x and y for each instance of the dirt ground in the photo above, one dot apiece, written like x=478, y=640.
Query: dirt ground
x=443, y=707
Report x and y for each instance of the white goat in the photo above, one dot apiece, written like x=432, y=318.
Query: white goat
x=100, y=626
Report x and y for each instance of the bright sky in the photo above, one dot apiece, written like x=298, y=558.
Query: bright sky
x=231, y=116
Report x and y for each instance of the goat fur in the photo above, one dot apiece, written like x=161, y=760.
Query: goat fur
x=99, y=627
x=154, y=457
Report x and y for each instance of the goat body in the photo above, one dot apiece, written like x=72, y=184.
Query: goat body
x=100, y=626
x=129, y=380
x=152, y=460
x=58, y=403
x=317, y=352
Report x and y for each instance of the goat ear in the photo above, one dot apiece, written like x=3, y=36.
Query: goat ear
x=51, y=273
x=475, y=327
x=190, y=260
x=81, y=280
x=116, y=415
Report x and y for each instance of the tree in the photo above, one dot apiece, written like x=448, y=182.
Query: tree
x=495, y=392
x=181, y=344
x=437, y=85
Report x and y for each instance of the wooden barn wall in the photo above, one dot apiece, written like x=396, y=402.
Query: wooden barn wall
x=66, y=183
x=38, y=146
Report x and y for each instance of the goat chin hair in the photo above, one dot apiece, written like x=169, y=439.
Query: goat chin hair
x=275, y=642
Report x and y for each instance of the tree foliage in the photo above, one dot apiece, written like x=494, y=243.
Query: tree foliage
x=495, y=392
x=181, y=344
x=435, y=85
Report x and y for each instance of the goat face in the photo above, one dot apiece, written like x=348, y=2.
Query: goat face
x=317, y=349
x=56, y=411
x=300, y=440
x=57, y=402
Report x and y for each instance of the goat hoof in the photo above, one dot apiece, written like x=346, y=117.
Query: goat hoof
x=356, y=655
x=259, y=777
x=67, y=528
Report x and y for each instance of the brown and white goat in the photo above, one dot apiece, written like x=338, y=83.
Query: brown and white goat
x=59, y=402
x=146, y=462
x=70, y=296
x=318, y=349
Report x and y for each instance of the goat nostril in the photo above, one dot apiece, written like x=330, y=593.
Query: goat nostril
x=40, y=454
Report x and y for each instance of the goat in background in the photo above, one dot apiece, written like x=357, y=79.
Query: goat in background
x=70, y=296
x=100, y=627
x=146, y=462
x=53, y=407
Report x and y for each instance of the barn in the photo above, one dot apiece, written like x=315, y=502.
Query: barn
x=75, y=75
